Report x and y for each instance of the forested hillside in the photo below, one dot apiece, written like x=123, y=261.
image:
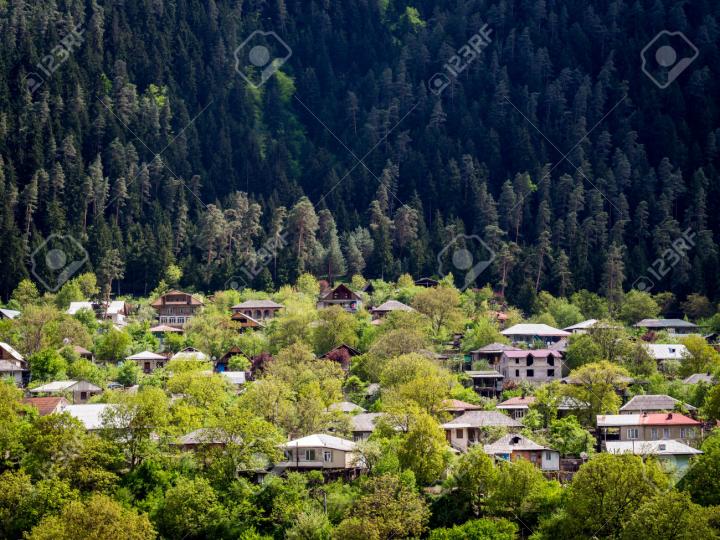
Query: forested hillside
x=147, y=146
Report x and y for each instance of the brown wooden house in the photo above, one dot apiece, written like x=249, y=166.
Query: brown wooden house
x=341, y=296
x=175, y=308
x=259, y=310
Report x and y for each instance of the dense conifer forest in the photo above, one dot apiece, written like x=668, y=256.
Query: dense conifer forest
x=140, y=139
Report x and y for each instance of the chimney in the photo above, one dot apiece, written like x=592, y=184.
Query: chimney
x=669, y=416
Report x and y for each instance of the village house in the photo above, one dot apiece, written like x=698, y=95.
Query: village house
x=258, y=310
x=491, y=353
x=175, y=308
x=190, y=353
x=426, y=282
x=649, y=427
x=671, y=326
x=91, y=415
x=148, y=361
x=223, y=363
x=513, y=447
x=47, y=405
x=534, y=366
x=516, y=407
x=388, y=307
x=466, y=430
x=347, y=407
x=697, y=378
x=581, y=327
x=246, y=322
x=79, y=391
x=655, y=403
x=486, y=383
x=456, y=407
x=82, y=352
x=363, y=425
x=319, y=452
x=9, y=314
x=530, y=334
x=341, y=354
x=13, y=365
x=161, y=331
x=116, y=311
x=341, y=296
x=662, y=352
x=673, y=454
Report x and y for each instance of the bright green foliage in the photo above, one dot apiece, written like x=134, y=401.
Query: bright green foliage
x=98, y=518
x=478, y=529
x=191, y=509
x=568, y=437
x=48, y=365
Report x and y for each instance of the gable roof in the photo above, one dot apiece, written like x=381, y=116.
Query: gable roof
x=393, y=305
x=160, y=301
x=146, y=355
x=47, y=405
x=321, y=440
x=513, y=442
x=494, y=348
x=64, y=386
x=165, y=328
x=9, y=313
x=487, y=374
x=345, y=406
x=654, y=402
x=646, y=419
x=238, y=316
x=351, y=351
x=457, y=405
x=342, y=286
x=113, y=308
x=668, y=447
x=364, y=422
x=235, y=377
x=666, y=351
x=584, y=325
x=516, y=403
x=475, y=419
x=258, y=304
x=190, y=353
x=90, y=414
x=530, y=329
x=12, y=352
x=664, y=323
x=696, y=378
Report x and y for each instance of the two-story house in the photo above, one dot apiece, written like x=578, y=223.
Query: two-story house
x=175, y=308
x=467, y=429
x=341, y=296
x=534, y=365
x=514, y=446
x=319, y=451
x=259, y=310
x=649, y=427
x=13, y=365
x=529, y=334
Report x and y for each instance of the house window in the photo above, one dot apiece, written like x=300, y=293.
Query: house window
x=288, y=455
x=550, y=361
x=310, y=454
x=530, y=372
x=530, y=360
x=551, y=372
x=83, y=396
x=517, y=372
x=632, y=433
x=687, y=433
x=517, y=360
x=653, y=434
x=666, y=433
x=160, y=364
x=458, y=433
x=548, y=456
x=327, y=456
